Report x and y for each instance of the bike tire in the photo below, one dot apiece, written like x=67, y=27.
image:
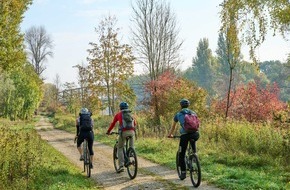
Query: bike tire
x=195, y=170
x=84, y=155
x=132, y=166
x=115, y=157
x=88, y=163
x=178, y=168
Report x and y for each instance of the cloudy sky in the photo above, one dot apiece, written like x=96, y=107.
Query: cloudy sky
x=71, y=24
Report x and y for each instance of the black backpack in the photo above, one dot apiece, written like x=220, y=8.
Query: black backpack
x=86, y=122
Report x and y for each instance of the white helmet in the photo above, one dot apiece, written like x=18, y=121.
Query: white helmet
x=84, y=111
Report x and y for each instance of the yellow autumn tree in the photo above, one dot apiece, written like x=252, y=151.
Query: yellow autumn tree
x=110, y=65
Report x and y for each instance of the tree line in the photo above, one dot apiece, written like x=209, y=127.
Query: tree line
x=106, y=78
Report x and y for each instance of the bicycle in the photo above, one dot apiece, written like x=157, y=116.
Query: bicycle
x=87, y=158
x=192, y=165
x=130, y=158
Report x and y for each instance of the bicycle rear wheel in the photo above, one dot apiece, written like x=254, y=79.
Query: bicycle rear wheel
x=115, y=157
x=132, y=164
x=84, y=154
x=195, y=171
x=87, y=160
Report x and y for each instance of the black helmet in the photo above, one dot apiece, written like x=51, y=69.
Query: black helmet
x=184, y=103
x=124, y=105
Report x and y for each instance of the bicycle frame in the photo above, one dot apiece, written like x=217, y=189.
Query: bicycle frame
x=130, y=158
x=192, y=164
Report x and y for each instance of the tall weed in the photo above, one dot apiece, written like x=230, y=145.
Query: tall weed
x=20, y=151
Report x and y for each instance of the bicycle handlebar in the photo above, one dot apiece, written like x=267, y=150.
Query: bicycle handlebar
x=174, y=137
x=112, y=133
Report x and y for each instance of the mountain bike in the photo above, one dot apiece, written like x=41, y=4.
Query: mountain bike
x=192, y=164
x=130, y=158
x=87, y=158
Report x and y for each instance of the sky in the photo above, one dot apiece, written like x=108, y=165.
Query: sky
x=71, y=25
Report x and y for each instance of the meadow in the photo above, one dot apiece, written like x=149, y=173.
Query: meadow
x=234, y=155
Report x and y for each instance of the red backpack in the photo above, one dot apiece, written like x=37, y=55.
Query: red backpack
x=191, y=122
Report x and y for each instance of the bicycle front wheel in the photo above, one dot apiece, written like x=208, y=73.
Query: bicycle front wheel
x=132, y=163
x=115, y=157
x=178, y=168
x=195, y=171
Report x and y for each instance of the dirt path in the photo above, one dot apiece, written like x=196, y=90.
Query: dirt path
x=150, y=175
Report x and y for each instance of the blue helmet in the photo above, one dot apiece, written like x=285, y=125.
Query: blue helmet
x=124, y=105
x=184, y=103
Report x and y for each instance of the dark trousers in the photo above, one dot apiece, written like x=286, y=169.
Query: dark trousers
x=183, y=143
x=90, y=136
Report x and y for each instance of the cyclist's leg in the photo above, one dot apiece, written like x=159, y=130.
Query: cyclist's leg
x=129, y=133
x=194, y=136
x=121, y=143
x=79, y=143
x=182, y=150
x=90, y=145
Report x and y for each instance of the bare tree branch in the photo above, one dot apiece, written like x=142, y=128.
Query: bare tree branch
x=39, y=46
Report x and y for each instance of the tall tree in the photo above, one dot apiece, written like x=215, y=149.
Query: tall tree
x=12, y=53
x=110, y=64
x=202, y=66
x=39, y=46
x=253, y=20
x=223, y=69
x=230, y=21
x=56, y=91
x=155, y=39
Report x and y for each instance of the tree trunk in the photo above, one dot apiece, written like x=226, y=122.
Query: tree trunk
x=229, y=92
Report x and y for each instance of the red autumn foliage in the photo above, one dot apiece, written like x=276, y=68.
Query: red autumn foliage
x=253, y=103
x=168, y=89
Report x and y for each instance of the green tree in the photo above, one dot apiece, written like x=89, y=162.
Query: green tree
x=71, y=97
x=253, y=19
x=110, y=65
x=279, y=73
x=12, y=53
x=202, y=66
x=23, y=98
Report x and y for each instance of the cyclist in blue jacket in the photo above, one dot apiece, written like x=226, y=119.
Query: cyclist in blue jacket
x=184, y=136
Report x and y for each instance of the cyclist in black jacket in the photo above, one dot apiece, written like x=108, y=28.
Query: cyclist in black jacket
x=84, y=129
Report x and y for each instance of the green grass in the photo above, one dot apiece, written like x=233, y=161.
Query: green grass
x=58, y=173
x=27, y=162
x=236, y=156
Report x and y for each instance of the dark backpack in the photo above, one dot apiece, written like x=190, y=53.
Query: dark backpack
x=127, y=120
x=191, y=122
x=85, y=122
